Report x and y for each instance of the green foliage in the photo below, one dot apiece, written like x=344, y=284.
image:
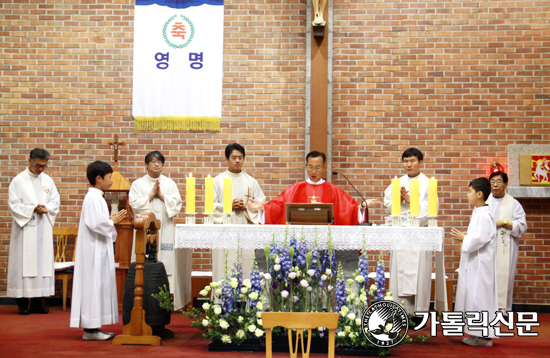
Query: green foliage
x=164, y=299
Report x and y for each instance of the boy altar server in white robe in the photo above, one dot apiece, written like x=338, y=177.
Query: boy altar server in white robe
x=511, y=225
x=244, y=188
x=33, y=203
x=94, y=299
x=411, y=271
x=158, y=194
x=476, y=290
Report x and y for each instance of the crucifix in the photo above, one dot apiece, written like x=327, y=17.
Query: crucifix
x=248, y=196
x=313, y=198
x=115, y=145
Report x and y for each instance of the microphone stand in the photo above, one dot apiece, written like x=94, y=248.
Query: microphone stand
x=364, y=201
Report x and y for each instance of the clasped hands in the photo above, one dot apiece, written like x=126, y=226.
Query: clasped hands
x=40, y=209
x=156, y=193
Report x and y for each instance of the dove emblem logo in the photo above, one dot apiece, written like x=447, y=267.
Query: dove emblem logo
x=385, y=324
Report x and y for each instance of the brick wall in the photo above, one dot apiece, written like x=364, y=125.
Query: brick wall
x=459, y=80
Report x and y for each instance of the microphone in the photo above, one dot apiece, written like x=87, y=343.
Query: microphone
x=357, y=191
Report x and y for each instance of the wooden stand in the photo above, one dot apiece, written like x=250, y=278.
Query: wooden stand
x=137, y=331
x=309, y=213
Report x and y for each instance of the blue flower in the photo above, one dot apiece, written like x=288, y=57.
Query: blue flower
x=341, y=294
x=380, y=280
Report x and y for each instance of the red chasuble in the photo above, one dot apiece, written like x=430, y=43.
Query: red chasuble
x=345, y=208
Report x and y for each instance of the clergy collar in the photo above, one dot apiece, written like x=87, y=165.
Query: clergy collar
x=234, y=175
x=32, y=174
x=417, y=175
x=151, y=178
x=319, y=182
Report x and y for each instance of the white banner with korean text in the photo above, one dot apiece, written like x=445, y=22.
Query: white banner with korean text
x=178, y=65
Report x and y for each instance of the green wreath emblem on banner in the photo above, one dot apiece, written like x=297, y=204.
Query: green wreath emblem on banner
x=186, y=19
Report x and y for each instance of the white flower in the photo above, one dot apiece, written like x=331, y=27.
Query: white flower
x=321, y=329
x=247, y=283
x=277, y=267
x=217, y=310
x=298, y=273
x=328, y=272
x=341, y=334
x=359, y=278
x=258, y=314
x=205, y=322
x=224, y=324
x=356, y=302
x=267, y=276
x=203, y=293
x=292, y=275
x=218, y=291
x=295, y=298
x=226, y=339
x=324, y=277
x=260, y=322
x=215, y=284
x=309, y=289
x=259, y=306
x=208, y=288
x=344, y=311
x=251, y=328
x=347, y=329
x=262, y=282
x=277, y=260
x=311, y=272
x=351, y=316
x=304, y=283
x=348, y=291
x=244, y=290
x=350, y=281
x=373, y=287
x=261, y=275
x=389, y=327
x=358, y=321
x=330, y=287
x=284, y=293
x=388, y=298
x=363, y=298
x=351, y=334
x=206, y=306
x=234, y=284
x=240, y=319
x=253, y=295
x=352, y=295
x=240, y=334
x=259, y=333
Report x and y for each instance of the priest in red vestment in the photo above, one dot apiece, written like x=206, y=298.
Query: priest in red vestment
x=313, y=190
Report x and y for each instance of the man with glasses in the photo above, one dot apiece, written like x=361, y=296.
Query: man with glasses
x=511, y=225
x=34, y=204
x=158, y=194
x=313, y=190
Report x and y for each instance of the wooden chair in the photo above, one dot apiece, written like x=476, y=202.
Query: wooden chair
x=64, y=268
x=299, y=321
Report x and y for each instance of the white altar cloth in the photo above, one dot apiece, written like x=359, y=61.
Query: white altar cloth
x=344, y=237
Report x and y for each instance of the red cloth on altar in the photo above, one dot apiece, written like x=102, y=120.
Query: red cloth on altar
x=345, y=209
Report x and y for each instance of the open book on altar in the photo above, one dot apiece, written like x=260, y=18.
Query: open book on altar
x=309, y=213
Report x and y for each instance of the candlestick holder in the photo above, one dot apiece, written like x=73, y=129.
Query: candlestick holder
x=190, y=218
x=227, y=219
x=396, y=220
x=415, y=221
x=208, y=219
x=432, y=221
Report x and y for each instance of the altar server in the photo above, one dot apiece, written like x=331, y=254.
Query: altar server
x=476, y=291
x=155, y=193
x=511, y=225
x=33, y=203
x=94, y=299
x=411, y=271
x=245, y=188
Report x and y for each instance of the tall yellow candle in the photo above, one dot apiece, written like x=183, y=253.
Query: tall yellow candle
x=190, y=194
x=396, y=197
x=414, y=194
x=209, y=195
x=432, y=197
x=227, y=195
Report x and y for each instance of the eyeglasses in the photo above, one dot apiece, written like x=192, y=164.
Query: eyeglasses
x=38, y=166
x=497, y=182
x=156, y=162
x=312, y=168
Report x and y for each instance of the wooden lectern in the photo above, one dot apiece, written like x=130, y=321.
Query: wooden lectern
x=309, y=213
x=137, y=331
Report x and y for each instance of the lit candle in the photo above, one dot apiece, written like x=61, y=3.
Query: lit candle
x=415, y=197
x=190, y=194
x=227, y=196
x=209, y=195
x=432, y=197
x=396, y=196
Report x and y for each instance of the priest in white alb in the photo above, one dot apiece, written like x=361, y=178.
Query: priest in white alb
x=244, y=188
x=155, y=193
x=33, y=203
x=410, y=280
x=511, y=225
